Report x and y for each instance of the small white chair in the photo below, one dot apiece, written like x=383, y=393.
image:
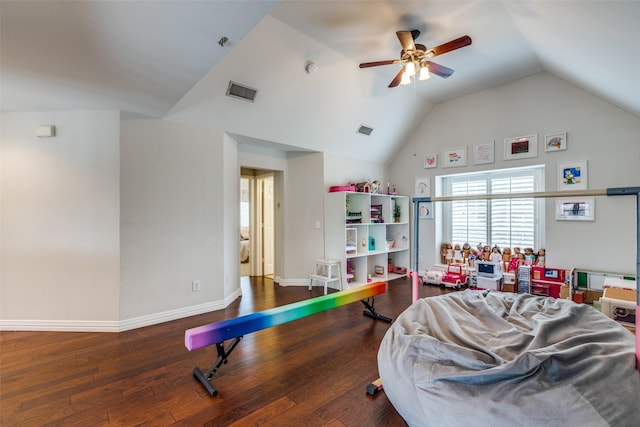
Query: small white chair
x=327, y=271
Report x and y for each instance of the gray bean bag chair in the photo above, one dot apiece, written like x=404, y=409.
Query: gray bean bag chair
x=477, y=358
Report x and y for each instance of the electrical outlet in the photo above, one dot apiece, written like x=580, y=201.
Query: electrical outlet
x=195, y=285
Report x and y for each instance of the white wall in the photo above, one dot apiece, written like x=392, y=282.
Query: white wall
x=304, y=192
x=339, y=170
x=173, y=219
x=604, y=135
x=60, y=221
x=230, y=187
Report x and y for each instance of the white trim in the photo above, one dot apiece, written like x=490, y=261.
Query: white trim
x=117, y=326
x=60, y=325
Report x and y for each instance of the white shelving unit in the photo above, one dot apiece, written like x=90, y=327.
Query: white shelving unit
x=361, y=232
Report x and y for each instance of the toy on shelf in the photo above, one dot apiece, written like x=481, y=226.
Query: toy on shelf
x=455, y=277
x=540, y=262
x=529, y=256
x=516, y=252
x=489, y=275
x=433, y=276
x=472, y=257
x=466, y=251
x=443, y=253
x=513, y=264
x=486, y=253
x=506, y=258
x=619, y=301
x=496, y=256
x=457, y=254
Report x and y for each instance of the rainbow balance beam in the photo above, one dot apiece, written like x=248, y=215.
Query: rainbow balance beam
x=217, y=333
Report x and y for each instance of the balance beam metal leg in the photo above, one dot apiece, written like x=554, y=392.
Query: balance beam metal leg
x=223, y=354
x=371, y=311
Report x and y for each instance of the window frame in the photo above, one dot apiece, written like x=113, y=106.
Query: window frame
x=444, y=185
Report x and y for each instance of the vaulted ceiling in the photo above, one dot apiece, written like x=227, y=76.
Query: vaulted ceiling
x=162, y=59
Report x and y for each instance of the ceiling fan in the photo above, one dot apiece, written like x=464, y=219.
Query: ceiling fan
x=415, y=58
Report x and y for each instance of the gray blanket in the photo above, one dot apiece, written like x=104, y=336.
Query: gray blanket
x=497, y=359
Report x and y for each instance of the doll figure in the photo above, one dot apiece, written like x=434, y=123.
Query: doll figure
x=486, y=253
x=540, y=258
x=513, y=263
x=529, y=256
x=449, y=256
x=506, y=258
x=472, y=257
x=521, y=260
x=457, y=254
x=466, y=251
x=443, y=253
x=496, y=256
x=516, y=252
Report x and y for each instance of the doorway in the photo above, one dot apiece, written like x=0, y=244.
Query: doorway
x=257, y=218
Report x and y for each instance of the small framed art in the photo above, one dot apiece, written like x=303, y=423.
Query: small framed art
x=430, y=161
x=426, y=210
x=423, y=187
x=575, y=209
x=555, y=142
x=572, y=176
x=454, y=158
x=484, y=153
x=521, y=147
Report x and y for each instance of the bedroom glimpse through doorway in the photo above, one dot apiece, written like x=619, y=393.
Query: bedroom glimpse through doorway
x=257, y=208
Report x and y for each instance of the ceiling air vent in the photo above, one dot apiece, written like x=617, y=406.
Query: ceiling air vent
x=242, y=92
x=365, y=130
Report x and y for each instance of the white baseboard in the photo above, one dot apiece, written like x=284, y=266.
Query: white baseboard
x=60, y=325
x=116, y=326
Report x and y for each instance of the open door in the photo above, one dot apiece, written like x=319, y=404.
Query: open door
x=265, y=210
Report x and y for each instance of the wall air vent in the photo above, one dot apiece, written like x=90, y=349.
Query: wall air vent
x=241, y=92
x=365, y=130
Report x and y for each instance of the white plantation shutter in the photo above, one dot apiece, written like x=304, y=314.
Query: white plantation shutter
x=502, y=222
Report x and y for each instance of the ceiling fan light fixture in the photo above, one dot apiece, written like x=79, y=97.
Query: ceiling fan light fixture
x=410, y=69
x=424, y=73
x=405, y=80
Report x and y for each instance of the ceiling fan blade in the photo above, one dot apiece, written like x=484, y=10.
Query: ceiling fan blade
x=439, y=70
x=406, y=40
x=449, y=46
x=396, y=80
x=376, y=63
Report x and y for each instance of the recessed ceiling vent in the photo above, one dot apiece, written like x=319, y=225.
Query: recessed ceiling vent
x=365, y=130
x=241, y=92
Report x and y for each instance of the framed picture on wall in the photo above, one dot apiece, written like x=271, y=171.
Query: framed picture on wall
x=572, y=176
x=555, y=142
x=454, y=158
x=430, y=161
x=521, y=147
x=423, y=187
x=575, y=209
x=425, y=210
x=484, y=153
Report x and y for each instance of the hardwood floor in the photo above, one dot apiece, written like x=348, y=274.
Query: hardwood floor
x=309, y=372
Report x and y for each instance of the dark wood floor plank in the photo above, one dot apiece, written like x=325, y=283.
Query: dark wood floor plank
x=310, y=372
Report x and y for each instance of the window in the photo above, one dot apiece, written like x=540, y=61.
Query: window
x=502, y=222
